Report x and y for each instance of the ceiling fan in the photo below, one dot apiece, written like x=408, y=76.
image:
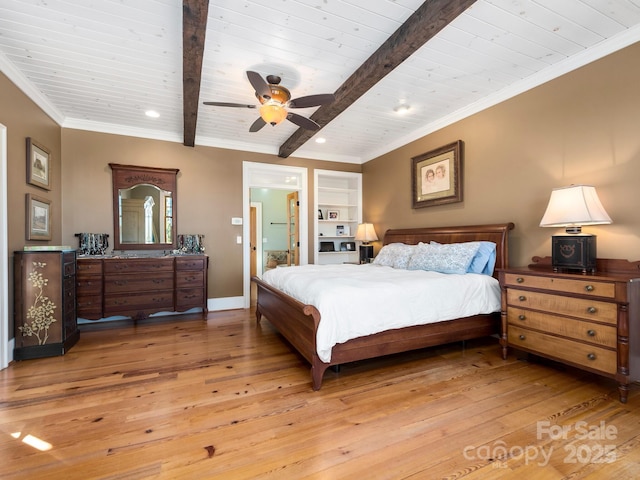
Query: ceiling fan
x=274, y=102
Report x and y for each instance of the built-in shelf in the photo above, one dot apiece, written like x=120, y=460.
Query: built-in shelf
x=340, y=193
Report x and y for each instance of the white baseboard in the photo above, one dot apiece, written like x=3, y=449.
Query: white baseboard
x=227, y=303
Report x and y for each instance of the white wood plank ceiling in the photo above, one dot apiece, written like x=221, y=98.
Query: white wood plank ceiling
x=100, y=64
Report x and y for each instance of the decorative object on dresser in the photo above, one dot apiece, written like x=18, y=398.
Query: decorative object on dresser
x=145, y=210
x=44, y=303
x=92, y=243
x=301, y=323
x=572, y=207
x=589, y=321
x=436, y=176
x=366, y=234
x=139, y=287
x=190, y=243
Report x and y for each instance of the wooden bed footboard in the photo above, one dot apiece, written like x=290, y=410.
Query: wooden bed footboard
x=298, y=322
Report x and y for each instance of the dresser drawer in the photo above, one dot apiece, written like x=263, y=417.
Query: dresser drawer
x=138, y=265
x=138, y=283
x=577, y=307
x=605, y=335
x=187, y=298
x=563, y=285
x=89, y=285
x=578, y=353
x=89, y=266
x=90, y=306
x=187, y=263
x=186, y=279
x=153, y=301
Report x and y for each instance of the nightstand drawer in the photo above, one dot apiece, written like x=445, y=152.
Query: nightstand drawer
x=605, y=335
x=564, y=285
x=575, y=307
x=578, y=353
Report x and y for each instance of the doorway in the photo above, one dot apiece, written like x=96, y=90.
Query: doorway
x=4, y=253
x=280, y=177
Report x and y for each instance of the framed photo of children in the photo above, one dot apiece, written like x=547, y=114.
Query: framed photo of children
x=38, y=164
x=437, y=176
x=38, y=218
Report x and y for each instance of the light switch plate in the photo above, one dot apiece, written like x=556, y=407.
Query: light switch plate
x=236, y=221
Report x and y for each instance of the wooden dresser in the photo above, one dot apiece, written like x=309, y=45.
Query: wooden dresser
x=138, y=287
x=589, y=321
x=45, y=303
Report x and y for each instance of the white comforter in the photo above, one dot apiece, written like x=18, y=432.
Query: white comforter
x=358, y=300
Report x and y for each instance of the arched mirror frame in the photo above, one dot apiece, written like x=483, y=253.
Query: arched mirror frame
x=127, y=176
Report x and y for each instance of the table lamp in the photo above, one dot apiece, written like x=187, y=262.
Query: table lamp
x=366, y=234
x=572, y=207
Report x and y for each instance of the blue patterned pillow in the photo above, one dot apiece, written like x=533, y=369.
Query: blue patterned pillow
x=445, y=258
x=394, y=255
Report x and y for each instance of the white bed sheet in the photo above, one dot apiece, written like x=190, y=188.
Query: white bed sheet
x=359, y=300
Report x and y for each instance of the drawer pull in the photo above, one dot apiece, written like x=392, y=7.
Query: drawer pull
x=591, y=333
x=592, y=309
x=591, y=356
x=522, y=298
x=522, y=317
x=522, y=337
x=520, y=280
x=589, y=288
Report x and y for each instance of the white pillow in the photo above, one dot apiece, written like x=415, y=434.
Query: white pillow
x=394, y=255
x=445, y=258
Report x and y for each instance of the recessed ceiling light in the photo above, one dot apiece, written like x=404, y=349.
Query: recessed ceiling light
x=402, y=109
x=321, y=140
x=152, y=114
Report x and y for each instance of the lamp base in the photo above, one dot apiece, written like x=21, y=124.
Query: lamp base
x=573, y=252
x=366, y=253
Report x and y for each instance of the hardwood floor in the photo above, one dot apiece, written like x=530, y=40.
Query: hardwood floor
x=179, y=397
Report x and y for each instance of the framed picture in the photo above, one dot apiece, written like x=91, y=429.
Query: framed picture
x=333, y=214
x=38, y=164
x=320, y=217
x=38, y=218
x=437, y=176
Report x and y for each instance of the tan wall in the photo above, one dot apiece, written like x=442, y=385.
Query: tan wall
x=209, y=192
x=24, y=119
x=580, y=128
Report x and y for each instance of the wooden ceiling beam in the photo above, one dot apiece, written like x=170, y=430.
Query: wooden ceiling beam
x=431, y=17
x=194, y=29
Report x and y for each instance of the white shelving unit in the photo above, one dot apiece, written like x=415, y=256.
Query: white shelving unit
x=339, y=194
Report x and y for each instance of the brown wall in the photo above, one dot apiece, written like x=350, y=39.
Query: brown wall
x=580, y=128
x=209, y=192
x=24, y=119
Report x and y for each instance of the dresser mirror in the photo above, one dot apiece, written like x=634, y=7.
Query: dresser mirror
x=144, y=207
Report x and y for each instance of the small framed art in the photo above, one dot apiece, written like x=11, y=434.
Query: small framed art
x=437, y=176
x=333, y=214
x=38, y=165
x=38, y=218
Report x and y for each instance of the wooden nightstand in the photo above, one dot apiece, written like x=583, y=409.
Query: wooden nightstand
x=589, y=321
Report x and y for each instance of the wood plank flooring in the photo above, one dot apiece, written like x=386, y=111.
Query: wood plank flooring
x=180, y=397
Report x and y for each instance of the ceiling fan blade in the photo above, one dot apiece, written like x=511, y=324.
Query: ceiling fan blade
x=257, y=125
x=227, y=104
x=312, y=100
x=259, y=84
x=303, y=122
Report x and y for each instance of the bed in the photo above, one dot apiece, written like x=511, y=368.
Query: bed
x=299, y=322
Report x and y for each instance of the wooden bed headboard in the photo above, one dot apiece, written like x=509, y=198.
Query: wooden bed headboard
x=497, y=233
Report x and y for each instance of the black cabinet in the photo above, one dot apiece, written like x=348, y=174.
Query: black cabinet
x=45, y=303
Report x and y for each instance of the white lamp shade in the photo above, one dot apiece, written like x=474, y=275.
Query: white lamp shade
x=574, y=206
x=366, y=233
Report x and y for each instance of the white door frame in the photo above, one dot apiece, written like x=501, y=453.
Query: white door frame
x=258, y=207
x=4, y=254
x=282, y=177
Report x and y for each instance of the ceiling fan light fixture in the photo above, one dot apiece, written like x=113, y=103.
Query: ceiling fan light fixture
x=273, y=113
